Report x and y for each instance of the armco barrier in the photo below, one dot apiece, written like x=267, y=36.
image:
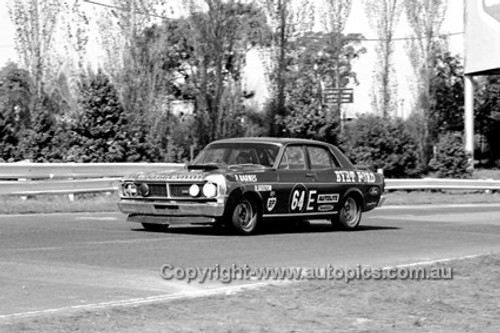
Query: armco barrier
x=442, y=184
x=61, y=178
x=78, y=170
x=65, y=178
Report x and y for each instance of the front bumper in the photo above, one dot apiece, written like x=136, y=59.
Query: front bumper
x=161, y=212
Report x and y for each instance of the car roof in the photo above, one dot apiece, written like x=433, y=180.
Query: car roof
x=273, y=140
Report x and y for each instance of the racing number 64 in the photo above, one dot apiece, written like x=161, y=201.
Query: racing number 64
x=298, y=198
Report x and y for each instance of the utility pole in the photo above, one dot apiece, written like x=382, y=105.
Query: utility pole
x=281, y=66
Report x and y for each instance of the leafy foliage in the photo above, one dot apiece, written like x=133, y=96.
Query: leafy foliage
x=46, y=140
x=383, y=17
x=448, y=88
x=382, y=144
x=15, y=96
x=450, y=159
x=310, y=71
x=487, y=116
x=101, y=132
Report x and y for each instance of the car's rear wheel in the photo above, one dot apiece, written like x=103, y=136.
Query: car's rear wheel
x=349, y=214
x=245, y=216
x=154, y=227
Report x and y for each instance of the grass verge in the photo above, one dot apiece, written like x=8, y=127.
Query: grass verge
x=466, y=303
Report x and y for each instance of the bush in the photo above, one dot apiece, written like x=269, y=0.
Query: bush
x=46, y=139
x=101, y=132
x=383, y=144
x=450, y=158
x=15, y=98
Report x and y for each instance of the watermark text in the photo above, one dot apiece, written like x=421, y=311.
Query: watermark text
x=227, y=274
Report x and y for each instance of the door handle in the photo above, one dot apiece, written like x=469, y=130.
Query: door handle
x=310, y=174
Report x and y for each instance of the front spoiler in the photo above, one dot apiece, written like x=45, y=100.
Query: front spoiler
x=160, y=212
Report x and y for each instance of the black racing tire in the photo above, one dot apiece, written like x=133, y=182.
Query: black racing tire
x=244, y=216
x=154, y=227
x=349, y=215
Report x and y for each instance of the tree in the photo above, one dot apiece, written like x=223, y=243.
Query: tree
x=124, y=61
x=288, y=20
x=425, y=18
x=383, y=16
x=218, y=38
x=102, y=131
x=46, y=140
x=15, y=96
x=317, y=61
x=447, y=86
x=487, y=117
x=35, y=22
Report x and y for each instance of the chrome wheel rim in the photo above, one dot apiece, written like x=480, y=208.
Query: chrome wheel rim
x=351, y=212
x=245, y=215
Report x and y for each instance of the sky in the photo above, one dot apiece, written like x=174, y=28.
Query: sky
x=453, y=23
x=7, y=45
x=357, y=23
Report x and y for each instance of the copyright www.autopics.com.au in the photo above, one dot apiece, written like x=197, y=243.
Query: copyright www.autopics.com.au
x=234, y=272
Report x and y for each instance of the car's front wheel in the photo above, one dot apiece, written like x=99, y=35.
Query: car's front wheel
x=154, y=227
x=245, y=216
x=349, y=214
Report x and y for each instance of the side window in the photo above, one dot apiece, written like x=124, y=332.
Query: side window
x=321, y=158
x=293, y=158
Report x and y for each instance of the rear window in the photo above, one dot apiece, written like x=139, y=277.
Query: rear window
x=293, y=158
x=321, y=158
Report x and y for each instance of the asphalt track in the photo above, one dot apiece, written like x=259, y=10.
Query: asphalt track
x=66, y=262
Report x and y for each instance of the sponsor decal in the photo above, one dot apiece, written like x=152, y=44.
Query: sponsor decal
x=325, y=208
x=263, y=188
x=162, y=176
x=271, y=203
x=301, y=199
x=355, y=177
x=328, y=198
x=346, y=176
x=246, y=178
x=365, y=177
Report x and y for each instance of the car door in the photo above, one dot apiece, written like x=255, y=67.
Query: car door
x=327, y=190
x=295, y=181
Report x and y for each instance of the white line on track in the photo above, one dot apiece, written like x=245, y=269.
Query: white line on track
x=139, y=301
x=197, y=293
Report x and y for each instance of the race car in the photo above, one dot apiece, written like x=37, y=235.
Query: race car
x=244, y=182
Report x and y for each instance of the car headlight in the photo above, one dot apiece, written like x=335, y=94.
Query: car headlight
x=210, y=190
x=144, y=190
x=217, y=185
x=194, y=190
x=130, y=190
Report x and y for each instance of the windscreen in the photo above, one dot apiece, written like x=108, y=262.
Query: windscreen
x=238, y=154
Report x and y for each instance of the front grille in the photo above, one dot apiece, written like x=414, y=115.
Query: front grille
x=179, y=190
x=157, y=190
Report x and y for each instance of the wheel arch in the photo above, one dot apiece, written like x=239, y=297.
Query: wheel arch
x=237, y=194
x=357, y=195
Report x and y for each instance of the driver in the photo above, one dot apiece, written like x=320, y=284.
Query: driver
x=243, y=158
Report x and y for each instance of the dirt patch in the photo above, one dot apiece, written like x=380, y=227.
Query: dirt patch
x=466, y=303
